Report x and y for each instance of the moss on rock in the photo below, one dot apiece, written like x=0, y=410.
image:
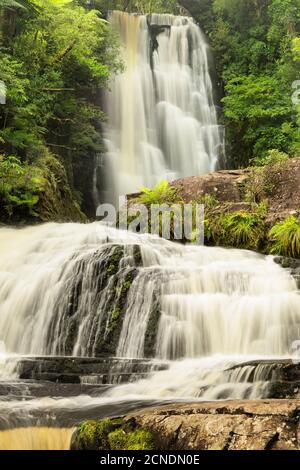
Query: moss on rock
x=140, y=439
x=56, y=201
x=111, y=434
x=93, y=435
x=152, y=327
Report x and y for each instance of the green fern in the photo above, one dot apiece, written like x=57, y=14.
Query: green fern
x=162, y=193
x=18, y=5
x=241, y=229
x=285, y=238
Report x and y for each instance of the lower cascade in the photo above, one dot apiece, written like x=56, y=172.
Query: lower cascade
x=131, y=320
x=36, y=439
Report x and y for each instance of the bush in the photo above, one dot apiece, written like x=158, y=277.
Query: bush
x=240, y=229
x=272, y=158
x=285, y=238
x=162, y=193
x=20, y=185
x=264, y=176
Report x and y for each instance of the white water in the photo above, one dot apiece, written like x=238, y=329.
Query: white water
x=162, y=122
x=212, y=300
x=220, y=310
x=218, y=307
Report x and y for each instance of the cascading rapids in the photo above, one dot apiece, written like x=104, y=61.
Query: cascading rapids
x=63, y=286
x=162, y=121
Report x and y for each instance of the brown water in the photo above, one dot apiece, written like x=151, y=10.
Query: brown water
x=36, y=439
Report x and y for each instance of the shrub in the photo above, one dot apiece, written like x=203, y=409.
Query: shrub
x=285, y=238
x=255, y=187
x=162, y=193
x=264, y=176
x=243, y=229
x=272, y=158
x=20, y=185
x=209, y=201
x=240, y=229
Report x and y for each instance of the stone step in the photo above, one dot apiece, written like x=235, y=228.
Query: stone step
x=283, y=375
x=103, y=370
x=27, y=390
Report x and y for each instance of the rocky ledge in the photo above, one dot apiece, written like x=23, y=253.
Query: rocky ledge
x=256, y=208
x=277, y=185
x=226, y=425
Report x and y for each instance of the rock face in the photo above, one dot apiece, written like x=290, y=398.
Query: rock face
x=293, y=265
x=101, y=370
x=229, y=188
x=232, y=425
x=224, y=185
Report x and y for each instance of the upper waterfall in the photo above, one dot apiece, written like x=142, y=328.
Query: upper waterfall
x=162, y=121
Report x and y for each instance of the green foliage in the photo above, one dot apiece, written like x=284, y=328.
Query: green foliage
x=54, y=57
x=19, y=187
x=162, y=193
x=257, y=55
x=138, y=6
x=111, y=434
x=114, y=320
x=272, y=157
x=17, y=5
x=209, y=201
x=241, y=229
x=285, y=238
x=257, y=107
x=263, y=177
x=93, y=435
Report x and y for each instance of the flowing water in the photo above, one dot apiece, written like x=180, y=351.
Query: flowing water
x=36, y=439
x=191, y=321
x=161, y=108
x=97, y=322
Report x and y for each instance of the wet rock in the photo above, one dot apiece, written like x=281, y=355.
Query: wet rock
x=152, y=328
x=292, y=264
x=103, y=280
x=95, y=371
x=26, y=390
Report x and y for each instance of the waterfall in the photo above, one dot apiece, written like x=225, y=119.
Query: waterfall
x=85, y=290
x=162, y=121
x=155, y=320
x=36, y=439
x=175, y=321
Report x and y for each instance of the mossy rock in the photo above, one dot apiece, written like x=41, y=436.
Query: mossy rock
x=93, y=435
x=111, y=434
x=140, y=439
x=152, y=328
x=113, y=318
